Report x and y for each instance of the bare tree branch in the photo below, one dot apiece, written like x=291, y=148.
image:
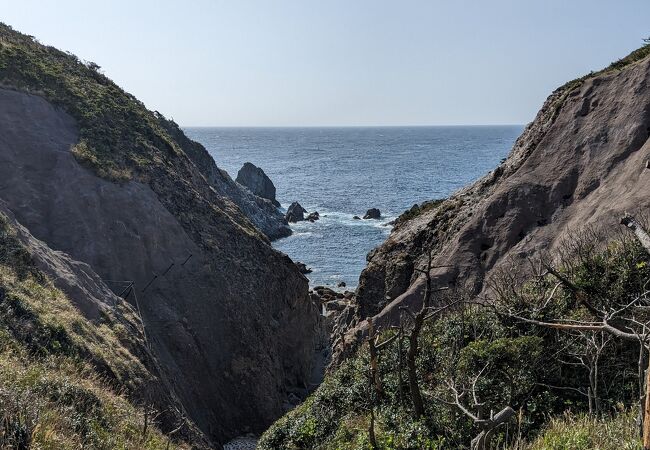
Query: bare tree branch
x=641, y=234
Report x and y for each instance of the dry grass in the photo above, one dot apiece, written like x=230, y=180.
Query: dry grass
x=583, y=432
x=56, y=403
x=52, y=396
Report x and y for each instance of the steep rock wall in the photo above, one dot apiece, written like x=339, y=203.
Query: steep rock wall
x=581, y=162
x=232, y=327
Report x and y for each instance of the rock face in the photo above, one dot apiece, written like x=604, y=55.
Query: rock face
x=228, y=318
x=263, y=214
x=295, y=213
x=123, y=360
x=372, y=213
x=257, y=182
x=580, y=163
x=302, y=267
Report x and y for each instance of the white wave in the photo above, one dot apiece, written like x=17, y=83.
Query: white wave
x=302, y=234
x=348, y=219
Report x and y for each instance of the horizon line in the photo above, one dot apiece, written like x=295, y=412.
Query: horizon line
x=359, y=126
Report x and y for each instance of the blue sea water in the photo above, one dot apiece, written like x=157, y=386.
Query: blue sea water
x=342, y=172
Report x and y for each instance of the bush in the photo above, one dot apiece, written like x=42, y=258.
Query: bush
x=524, y=366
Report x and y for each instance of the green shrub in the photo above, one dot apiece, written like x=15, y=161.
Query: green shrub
x=524, y=366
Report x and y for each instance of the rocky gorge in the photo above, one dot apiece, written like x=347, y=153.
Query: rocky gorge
x=136, y=275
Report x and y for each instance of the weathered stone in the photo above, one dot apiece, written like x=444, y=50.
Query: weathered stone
x=295, y=213
x=313, y=216
x=302, y=267
x=335, y=305
x=372, y=213
x=257, y=182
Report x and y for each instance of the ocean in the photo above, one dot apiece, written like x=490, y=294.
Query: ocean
x=343, y=172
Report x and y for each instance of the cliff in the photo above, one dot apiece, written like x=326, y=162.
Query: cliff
x=581, y=162
x=68, y=345
x=427, y=379
x=89, y=171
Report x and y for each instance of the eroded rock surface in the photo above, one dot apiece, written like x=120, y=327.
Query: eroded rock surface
x=581, y=162
x=295, y=213
x=257, y=182
x=228, y=318
x=372, y=213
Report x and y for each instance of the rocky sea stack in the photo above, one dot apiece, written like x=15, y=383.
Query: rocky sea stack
x=257, y=182
x=372, y=213
x=295, y=213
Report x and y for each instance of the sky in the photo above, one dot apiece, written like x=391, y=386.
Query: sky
x=339, y=62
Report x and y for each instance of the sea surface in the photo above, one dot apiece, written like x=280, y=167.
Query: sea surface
x=342, y=172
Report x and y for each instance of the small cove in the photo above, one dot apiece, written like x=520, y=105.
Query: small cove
x=342, y=172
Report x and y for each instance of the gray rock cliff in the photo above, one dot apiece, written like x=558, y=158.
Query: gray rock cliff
x=581, y=162
x=228, y=319
x=257, y=182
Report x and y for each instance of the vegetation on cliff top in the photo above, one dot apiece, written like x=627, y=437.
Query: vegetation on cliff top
x=119, y=137
x=537, y=371
x=53, y=367
x=416, y=210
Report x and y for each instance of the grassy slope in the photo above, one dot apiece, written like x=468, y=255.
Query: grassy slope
x=581, y=432
x=62, y=377
x=120, y=139
x=118, y=135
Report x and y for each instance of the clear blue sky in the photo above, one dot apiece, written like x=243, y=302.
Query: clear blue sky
x=339, y=62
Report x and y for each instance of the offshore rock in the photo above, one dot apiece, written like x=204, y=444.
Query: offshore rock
x=295, y=213
x=257, y=182
x=372, y=213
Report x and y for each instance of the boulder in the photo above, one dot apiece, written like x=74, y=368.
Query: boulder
x=295, y=213
x=335, y=305
x=357, y=218
x=257, y=182
x=325, y=293
x=341, y=284
x=372, y=213
x=312, y=217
